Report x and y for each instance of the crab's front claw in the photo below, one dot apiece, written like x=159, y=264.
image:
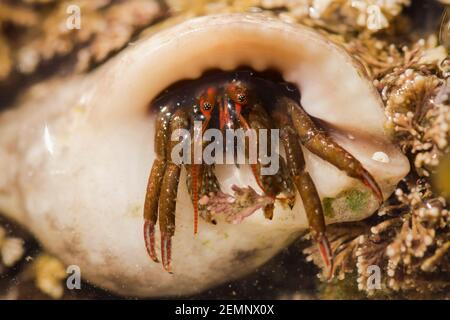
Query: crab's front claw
x=326, y=253
x=166, y=251
x=268, y=211
x=370, y=182
x=149, y=236
x=323, y=145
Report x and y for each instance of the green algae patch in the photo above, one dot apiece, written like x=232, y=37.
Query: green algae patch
x=352, y=201
x=356, y=200
x=327, y=204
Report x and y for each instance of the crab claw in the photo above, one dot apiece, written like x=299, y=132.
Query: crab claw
x=166, y=251
x=326, y=254
x=268, y=211
x=149, y=236
x=370, y=182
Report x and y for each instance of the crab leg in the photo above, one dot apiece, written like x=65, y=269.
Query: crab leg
x=256, y=167
x=169, y=191
x=154, y=183
x=208, y=184
x=151, y=206
x=196, y=184
x=245, y=125
x=245, y=104
x=305, y=186
x=207, y=102
x=167, y=206
x=319, y=143
x=275, y=184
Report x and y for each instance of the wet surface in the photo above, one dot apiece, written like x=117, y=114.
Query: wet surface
x=285, y=276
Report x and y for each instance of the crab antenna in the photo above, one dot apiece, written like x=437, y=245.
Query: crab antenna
x=195, y=173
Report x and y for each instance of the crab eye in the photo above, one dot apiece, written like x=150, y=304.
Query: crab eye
x=207, y=106
x=241, y=98
x=207, y=101
x=238, y=93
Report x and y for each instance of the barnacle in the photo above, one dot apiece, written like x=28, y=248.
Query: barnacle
x=371, y=15
x=410, y=238
x=11, y=250
x=49, y=273
x=49, y=32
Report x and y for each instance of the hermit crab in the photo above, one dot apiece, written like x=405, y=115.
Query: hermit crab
x=242, y=100
x=76, y=155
